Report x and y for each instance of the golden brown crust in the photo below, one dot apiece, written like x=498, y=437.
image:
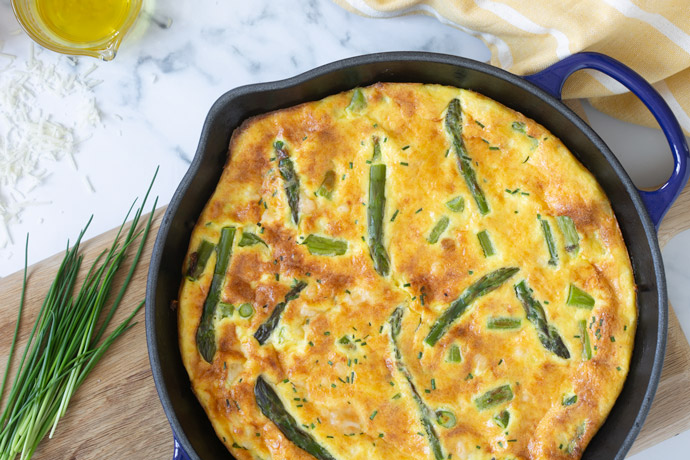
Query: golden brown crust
x=352, y=398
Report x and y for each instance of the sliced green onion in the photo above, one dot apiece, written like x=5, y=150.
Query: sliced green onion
x=445, y=418
x=500, y=322
x=494, y=397
x=454, y=355
x=322, y=246
x=438, y=229
x=457, y=204
x=198, y=259
x=246, y=310
x=579, y=298
x=502, y=418
x=485, y=242
x=570, y=236
x=327, y=185
x=250, y=239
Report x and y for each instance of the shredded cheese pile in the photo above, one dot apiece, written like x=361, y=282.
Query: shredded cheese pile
x=30, y=136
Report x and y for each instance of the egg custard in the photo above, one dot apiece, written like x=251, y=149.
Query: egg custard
x=405, y=271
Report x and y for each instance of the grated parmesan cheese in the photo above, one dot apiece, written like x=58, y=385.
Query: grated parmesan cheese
x=30, y=136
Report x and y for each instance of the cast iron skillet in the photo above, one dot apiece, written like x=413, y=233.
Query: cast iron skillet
x=536, y=96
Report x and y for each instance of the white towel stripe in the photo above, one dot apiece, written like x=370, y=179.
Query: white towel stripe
x=504, y=56
x=657, y=21
x=516, y=19
x=672, y=102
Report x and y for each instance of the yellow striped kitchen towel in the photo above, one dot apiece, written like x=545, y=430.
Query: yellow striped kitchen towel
x=651, y=36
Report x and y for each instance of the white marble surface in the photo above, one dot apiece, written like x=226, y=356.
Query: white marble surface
x=155, y=94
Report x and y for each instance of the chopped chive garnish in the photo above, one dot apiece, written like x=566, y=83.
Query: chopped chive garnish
x=404, y=163
x=406, y=147
x=373, y=414
x=480, y=125
x=395, y=214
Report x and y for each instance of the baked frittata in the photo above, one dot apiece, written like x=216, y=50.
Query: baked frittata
x=405, y=271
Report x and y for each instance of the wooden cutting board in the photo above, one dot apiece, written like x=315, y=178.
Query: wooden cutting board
x=116, y=414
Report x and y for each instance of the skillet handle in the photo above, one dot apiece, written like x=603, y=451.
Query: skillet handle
x=656, y=201
x=178, y=452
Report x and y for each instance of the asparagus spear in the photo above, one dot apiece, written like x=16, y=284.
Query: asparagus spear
x=502, y=322
x=266, y=329
x=438, y=230
x=327, y=185
x=494, y=397
x=457, y=204
x=550, y=243
x=322, y=246
x=454, y=355
x=358, y=101
x=250, y=239
x=272, y=407
x=482, y=286
x=485, y=242
x=579, y=298
x=287, y=171
x=445, y=418
x=454, y=127
x=198, y=259
x=502, y=418
x=572, y=239
x=584, y=338
x=377, y=149
x=205, y=333
x=548, y=336
x=375, y=212
x=395, y=322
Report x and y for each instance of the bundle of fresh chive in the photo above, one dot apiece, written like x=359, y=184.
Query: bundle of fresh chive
x=67, y=339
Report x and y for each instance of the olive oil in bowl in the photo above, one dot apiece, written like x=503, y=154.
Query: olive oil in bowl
x=83, y=21
x=87, y=27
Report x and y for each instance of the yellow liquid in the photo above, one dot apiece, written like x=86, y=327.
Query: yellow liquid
x=83, y=21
